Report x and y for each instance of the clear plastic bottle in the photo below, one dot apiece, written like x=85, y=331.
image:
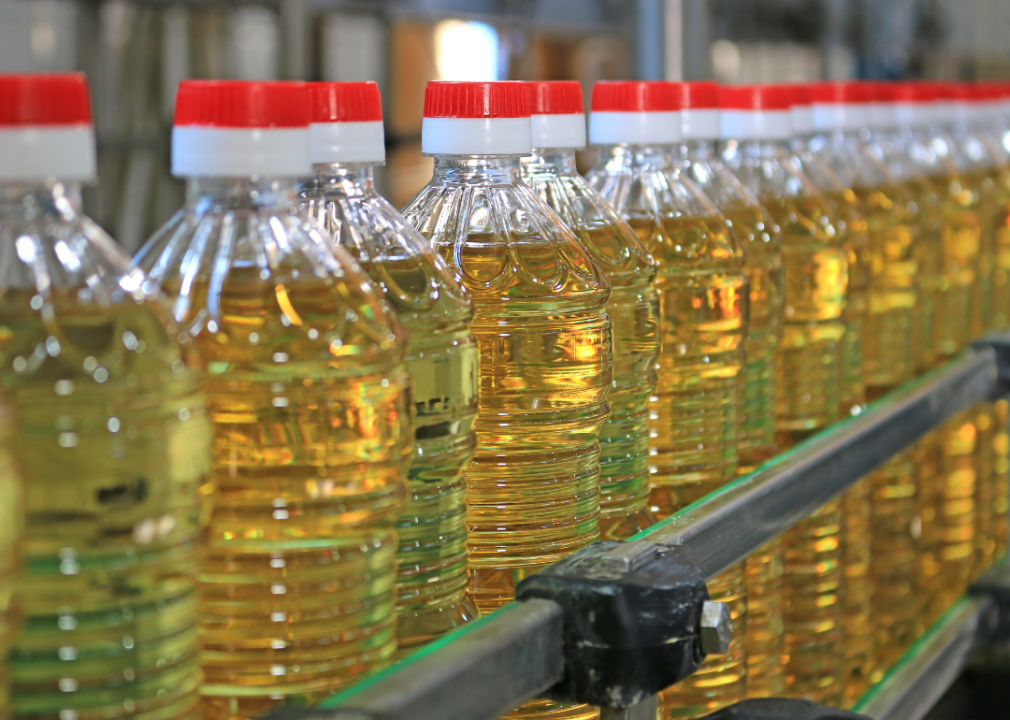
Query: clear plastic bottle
x=559, y=128
x=309, y=399
x=758, y=235
x=948, y=270
x=111, y=433
x=346, y=142
x=757, y=121
x=694, y=423
x=545, y=339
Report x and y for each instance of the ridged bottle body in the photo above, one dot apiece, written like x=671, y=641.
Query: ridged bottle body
x=985, y=491
x=442, y=360
x=694, y=413
x=11, y=547
x=858, y=615
x=115, y=446
x=634, y=310
x=758, y=235
x=956, y=511
x=308, y=396
x=999, y=529
x=546, y=366
x=807, y=399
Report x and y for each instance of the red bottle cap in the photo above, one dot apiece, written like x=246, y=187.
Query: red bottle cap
x=836, y=93
x=241, y=104
x=911, y=92
x=756, y=97
x=556, y=97
x=702, y=95
x=476, y=100
x=57, y=99
x=636, y=96
x=334, y=102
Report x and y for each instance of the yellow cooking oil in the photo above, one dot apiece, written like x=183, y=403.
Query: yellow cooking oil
x=634, y=311
x=956, y=511
x=114, y=443
x=546, y=366
x=765, y=639
x=961, y=241
x=929, y=260
x=1001, y=478
x=694, y=414
x=857, y=615
x=11, y=528
x=808, y=376
x=985, y=501
x=928, y=461
x=988, y=193
x=1000, y=283
x=442, y=361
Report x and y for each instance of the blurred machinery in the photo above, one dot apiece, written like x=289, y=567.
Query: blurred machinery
x=136, y=51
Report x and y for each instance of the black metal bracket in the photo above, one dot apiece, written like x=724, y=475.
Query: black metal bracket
x=1000, y=344
x=636, y=619
x=994, y=583
x=781, y=709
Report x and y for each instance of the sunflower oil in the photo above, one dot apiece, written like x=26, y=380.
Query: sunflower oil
x=546, y=362
x=755, y=232
x=694, y=415
x=857, y=588
x=111, y=436
x=309, y=399
x=807, y=399
x=11, y=529
x=928, y=461
x=634, y=310
x=443, y=364
x=765, y=639
x=1001, y=478
x=985, y=499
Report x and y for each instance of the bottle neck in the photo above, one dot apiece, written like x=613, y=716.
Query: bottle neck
x=758, y=149
x=20, y=198
x=699, y=150
x=559, y=161
x=639, y=157
x=347, y=178
x=477, y=169
x=277, y=194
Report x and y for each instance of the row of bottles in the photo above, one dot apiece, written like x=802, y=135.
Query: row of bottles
x=304, y=434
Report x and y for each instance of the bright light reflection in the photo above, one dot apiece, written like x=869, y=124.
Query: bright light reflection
x=466, y=51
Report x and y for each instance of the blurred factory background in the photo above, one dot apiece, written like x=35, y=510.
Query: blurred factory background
x=136, y=51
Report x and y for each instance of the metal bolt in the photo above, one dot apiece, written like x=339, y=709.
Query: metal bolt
x=716, y=628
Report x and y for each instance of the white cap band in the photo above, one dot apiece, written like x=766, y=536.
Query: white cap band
x=47, y=152
x=840, y=116
x=559, y=131
x=757, y=124
x=803, y=119
x=701, y=123
x=476, y=136
x=347, y=142
x=200, y=151
x=881, y=116
x=634, y=128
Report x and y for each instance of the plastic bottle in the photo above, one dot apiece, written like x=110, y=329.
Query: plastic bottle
x=559, y=128
x=757, y=119
x=759, y=236
x=694, y=423
x=346, y=142
x=849, y=217
x=111, y=434
x=308, y=395
x=841, y=113
x=545, y=338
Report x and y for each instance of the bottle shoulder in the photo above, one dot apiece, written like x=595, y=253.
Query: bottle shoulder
x=610, y=241
x=419, y=285
x=259, y=285
x=508, y=246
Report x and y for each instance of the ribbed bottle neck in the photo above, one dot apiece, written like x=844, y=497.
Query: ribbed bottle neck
x=639, y=157
x=19, y=199
x=559, y=161
x=348, y=178
x=477, y=169
x=266, y=194
x=760, y=149
x=699, y=150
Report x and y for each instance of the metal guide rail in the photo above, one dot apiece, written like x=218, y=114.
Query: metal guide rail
x=614, y=623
